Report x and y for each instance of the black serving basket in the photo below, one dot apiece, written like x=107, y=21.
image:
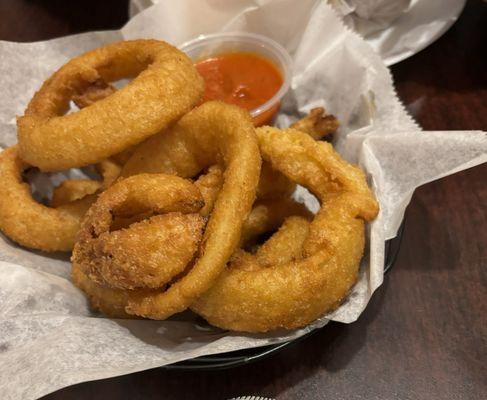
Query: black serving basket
x=241, y=357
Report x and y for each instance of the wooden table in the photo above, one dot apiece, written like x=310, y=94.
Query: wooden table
x=424, y=333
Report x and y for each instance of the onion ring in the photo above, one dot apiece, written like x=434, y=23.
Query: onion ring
x=73, y=189
x=76, y=189
x=267, y=215
x=176, y=158
x=26, y=221
x=110, y=302
x=259, y=297
x=166, y=86
x=147, y=254
x=212, y=134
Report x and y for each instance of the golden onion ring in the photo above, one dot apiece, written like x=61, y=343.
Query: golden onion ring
x=212, y=134
x=149, y=253
x=260, y=293
x=165, y=87
x=28, y=222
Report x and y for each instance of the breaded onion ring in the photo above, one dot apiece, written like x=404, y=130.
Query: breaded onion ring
x=267, y=215
x=180, y=160
x=76, y=189
x=210, y=185
x=73, y=189
x=212, y=134
x=274, y=290
x=109, y=171
x=146, y=254
x=166, y=86
x=26, y=221
x=110, y=302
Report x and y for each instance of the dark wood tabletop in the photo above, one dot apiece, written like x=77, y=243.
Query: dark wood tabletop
x=424, y=334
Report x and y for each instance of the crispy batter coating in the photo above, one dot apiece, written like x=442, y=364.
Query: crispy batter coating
x=268, y=215
x=147, y=253
x=279, y=288
x=274, y=189
x=282, y=247
x=76, y=189
x=109, y=170
x=285, y=245
x=122, y=157
x=26, y=221
x=180, y=161
x=72, y=190
x=212, y=134
x=210, y=185
x=165, y=87
x=92, y=92
x=317, y=124
x=273, y=184
x=110, y=302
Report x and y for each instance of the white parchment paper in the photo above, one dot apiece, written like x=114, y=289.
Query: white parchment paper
x=48, y=336
x=396, y=29
x=368, y=16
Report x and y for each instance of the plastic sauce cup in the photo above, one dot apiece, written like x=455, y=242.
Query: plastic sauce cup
x=212, y=45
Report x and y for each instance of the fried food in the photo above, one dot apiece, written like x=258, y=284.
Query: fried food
x=149, y=253
x=186, y=214
x=170, y=154
x=273, y=184
x=165, y=87
x=73, y=189
x=317, y=124
x=210, y=185
x=109, y=301
x=76, y=189
x=109, y=170
x=214, y=134
x=28, y=222
x=281, y=287
x=92, y=92
x=267, y=215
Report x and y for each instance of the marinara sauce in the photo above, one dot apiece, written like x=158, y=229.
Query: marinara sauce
x=244, y=79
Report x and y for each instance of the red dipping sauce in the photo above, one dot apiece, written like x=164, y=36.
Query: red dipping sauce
x=247, y=80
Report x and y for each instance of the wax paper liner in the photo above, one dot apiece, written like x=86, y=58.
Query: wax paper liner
x=399, y=29
x=396, y=29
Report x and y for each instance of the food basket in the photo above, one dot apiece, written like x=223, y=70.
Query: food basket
x=247, y=356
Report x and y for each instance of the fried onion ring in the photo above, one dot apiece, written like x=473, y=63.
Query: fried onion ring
x=165, y=87
x=146, y=254
x=76, y=189
x=180, y=161
x=73, y=189
x=110, y=302
x=28, y=222
x=212, y=134
x=267, y=215
x=264, y=292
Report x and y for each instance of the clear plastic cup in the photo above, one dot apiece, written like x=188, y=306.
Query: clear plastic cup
x=206, y=46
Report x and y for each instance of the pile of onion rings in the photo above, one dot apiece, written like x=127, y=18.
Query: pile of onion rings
x=194, y=205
